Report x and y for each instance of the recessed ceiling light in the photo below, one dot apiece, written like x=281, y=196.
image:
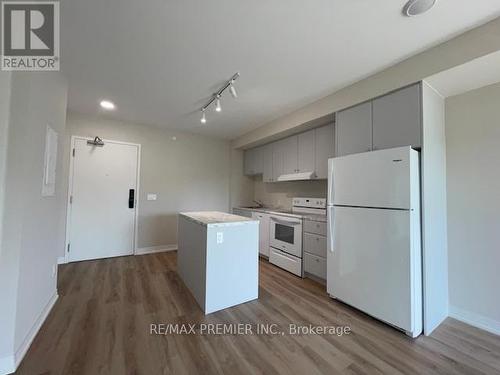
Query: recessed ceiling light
x=416, y=7
x=106, y=104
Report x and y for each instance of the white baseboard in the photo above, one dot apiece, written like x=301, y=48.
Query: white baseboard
x=9, y=364
x=155, y=249
x=61, y=260
x=476, y=320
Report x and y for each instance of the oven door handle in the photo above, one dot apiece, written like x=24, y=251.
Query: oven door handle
x=285, y=222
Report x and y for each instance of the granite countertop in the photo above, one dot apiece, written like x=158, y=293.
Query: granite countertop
x=282, y=212
x=215, y=218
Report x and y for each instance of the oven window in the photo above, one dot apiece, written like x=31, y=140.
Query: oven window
x=284, y=233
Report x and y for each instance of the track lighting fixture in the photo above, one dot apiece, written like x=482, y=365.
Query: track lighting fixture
x=218, y=107
x=232, y=89
x=217, y=97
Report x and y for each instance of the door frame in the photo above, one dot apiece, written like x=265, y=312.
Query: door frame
x=70, y=189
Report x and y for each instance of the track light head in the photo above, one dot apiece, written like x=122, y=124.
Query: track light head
x=232, y=90
x=218, y=107
x=203, y=117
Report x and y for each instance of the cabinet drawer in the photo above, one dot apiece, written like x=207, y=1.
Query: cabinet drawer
x=315, y=244
x=315, y=227
x=315, y=265
x=286, y=261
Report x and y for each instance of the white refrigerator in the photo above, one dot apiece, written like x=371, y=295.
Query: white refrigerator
x=374, y=246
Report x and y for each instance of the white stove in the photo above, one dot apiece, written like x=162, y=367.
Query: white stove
x=286, y=233
x=314, y=206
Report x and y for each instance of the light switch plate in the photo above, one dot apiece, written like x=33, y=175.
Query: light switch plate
x=151, y=197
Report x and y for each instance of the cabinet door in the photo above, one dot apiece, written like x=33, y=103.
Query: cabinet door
x=253, y=161
x=249, y=162
x=324, y=148
x=277, y=159
x=306, y=152
x=267, y=161
x=354, y=130
x=258, y=160
x=397, y=119
x=290, y=154
x=263, y=232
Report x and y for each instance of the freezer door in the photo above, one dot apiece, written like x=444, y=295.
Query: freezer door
x=374, y=179
x=373, y=264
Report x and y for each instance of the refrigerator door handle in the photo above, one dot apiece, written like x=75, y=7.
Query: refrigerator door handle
x=329, y=198
x=331, y=228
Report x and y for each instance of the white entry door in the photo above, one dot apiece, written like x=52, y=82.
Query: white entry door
x=103, y=200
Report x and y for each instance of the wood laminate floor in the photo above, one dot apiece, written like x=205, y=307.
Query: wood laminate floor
x=101, y=325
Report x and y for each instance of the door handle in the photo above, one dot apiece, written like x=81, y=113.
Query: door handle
x=284, y=222
x=131, y=198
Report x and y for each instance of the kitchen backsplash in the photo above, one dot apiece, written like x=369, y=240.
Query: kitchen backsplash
x=280, y=194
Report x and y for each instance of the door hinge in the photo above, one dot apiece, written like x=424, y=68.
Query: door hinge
x=70, y=199
x=69, y=247
x=73, y=152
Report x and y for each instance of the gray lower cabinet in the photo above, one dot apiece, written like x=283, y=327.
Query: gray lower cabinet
x=315, y=265
x=267, y=161
x=354, y=130
x=397, y=119
x=324, y=149
x=314, y=245
x=306, y=152
x=315, y=227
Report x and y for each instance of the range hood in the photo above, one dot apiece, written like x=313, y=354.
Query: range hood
x=297, y=176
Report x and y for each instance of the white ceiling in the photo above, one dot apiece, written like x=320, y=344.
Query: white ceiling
x=160, y=60
x=477, y=73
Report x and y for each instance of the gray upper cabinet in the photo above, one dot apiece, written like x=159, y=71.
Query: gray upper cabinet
x=278, y=157
x=324, y=149
x=306, y=152
x=290, y=154
x=267, y=160
x=397, y=119
x=253, y=161
x=248, y=162
x=354, y=130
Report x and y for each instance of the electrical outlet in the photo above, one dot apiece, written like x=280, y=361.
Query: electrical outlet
x=220, y=237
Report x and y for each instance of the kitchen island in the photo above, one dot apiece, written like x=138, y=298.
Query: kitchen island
x=218, y=258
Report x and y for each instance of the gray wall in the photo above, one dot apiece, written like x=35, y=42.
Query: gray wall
x=5, y=81
x=473, y=172
x=31, y=224
x=6, y=287
x=190, y=173
x=242, y=187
